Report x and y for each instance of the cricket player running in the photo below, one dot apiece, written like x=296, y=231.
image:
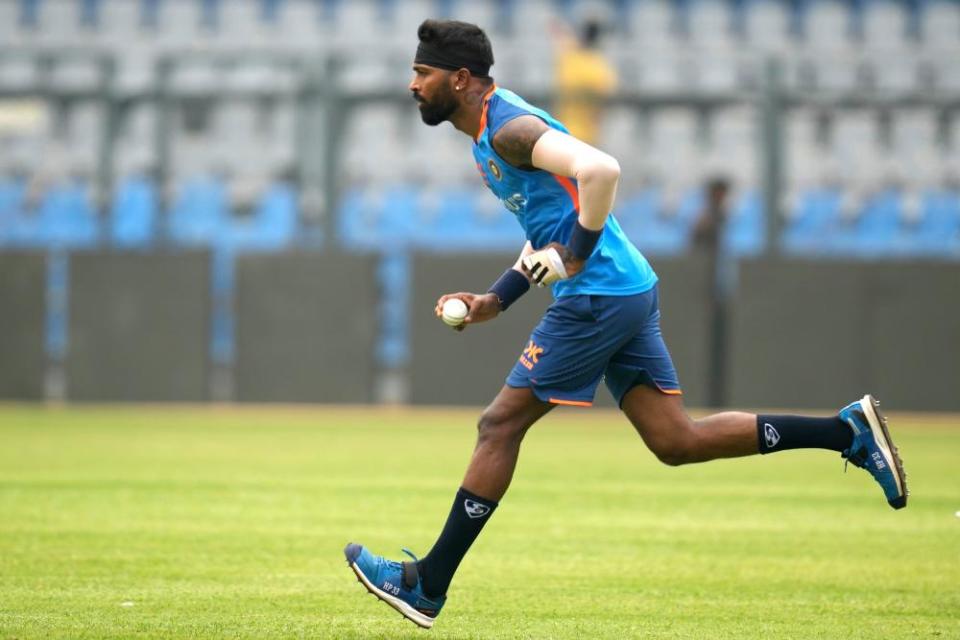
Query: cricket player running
x=603, y=324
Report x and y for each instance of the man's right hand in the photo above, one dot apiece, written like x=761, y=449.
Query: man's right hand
x=480, y=307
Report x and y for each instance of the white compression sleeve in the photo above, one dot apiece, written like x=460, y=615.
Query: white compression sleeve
x=596, y=172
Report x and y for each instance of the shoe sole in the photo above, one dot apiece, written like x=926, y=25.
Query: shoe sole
x=404, y=609
x=878, y=425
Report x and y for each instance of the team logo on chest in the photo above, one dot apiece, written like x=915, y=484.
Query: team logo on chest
x=494, y=169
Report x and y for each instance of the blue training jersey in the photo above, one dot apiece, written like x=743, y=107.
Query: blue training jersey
x=546, y=206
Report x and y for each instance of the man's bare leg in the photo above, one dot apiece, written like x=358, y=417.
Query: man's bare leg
x=675, y=438
x=500, y=431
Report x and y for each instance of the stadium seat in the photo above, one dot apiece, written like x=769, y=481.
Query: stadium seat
x=884, y=24
x=938, y=231
x=241, y=24
x=11, y=16
x=59, y=23
x=495, y=228
x=485, y=13
x=273, y=224
x=940, y=26
x=357, y=219
x=360, y=26
x=744, y=234
x=709, y=23
x=826, y=26
x=642, y=220
x=766, y=24
x=298, y=26
x=817, y=215
x=199, y=213
x=66, y=218
x=449, y=223
x=180, y=24
x=18, y=73
x=653, y=23
x=398, y=223
x=11, y=206
x=134, y=214
x=369, y=218
x=873, y=233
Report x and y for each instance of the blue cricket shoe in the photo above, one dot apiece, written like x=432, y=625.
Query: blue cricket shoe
x=396, y=583
x=872, y=449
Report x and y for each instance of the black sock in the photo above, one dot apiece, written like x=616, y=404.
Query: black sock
x=779, y=433
x=467, y=517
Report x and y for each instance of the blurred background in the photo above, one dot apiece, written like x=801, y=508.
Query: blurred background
x=235, y=200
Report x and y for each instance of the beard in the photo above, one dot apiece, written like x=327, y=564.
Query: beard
x=437, y=110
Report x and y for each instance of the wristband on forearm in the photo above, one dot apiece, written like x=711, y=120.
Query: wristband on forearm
x=509, y=287
x=583, y=240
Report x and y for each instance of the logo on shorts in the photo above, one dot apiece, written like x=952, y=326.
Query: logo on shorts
x=531, y=355
x=474, y=509
x=770, y=435
x=494, y=169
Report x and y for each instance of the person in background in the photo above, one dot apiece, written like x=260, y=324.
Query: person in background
x=708, y=230
x=584, y=80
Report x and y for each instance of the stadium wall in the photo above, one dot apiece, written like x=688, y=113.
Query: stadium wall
x=22, y=303
x=801, y=334
x=816, y=334
x=306, y=328
x=139, y=327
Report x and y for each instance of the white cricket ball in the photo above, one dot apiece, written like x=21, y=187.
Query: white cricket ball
x=453, y=312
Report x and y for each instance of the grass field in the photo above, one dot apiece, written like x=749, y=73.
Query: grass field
x=179, y=522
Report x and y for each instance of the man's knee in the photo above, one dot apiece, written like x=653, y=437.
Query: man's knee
x=676, y=445
x=498, y=424
x=673, y=453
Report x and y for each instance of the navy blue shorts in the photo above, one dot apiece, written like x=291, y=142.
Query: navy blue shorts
x=583, y=339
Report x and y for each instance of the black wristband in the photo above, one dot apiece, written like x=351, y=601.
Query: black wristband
x=509, y=287
x=583, y=240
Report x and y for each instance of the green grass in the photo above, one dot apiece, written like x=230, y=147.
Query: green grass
x=142, y=522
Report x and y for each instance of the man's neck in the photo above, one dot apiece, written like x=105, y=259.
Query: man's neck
x=467, y=116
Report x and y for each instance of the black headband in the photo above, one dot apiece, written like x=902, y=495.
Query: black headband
x=450, y=60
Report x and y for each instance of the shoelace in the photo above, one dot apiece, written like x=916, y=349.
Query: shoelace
x=393, y=564
x=856, y=456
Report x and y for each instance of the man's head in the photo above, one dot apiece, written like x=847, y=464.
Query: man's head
x=451, y=57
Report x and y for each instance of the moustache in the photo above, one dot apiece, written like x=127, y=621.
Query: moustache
x=416, y=96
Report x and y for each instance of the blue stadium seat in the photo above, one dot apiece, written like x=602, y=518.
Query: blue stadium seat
x=448, y=226
x=641, y=218
x=938, y=231
x=66, y=218
x=497, y=230
x=817, y=215
x=273, y=225
x=11, y=205
x=354, y=218
x=744, y=234
x=398, y=222
x=874, y=233
x=367, y=218
x=134, y=214
x=199, y=214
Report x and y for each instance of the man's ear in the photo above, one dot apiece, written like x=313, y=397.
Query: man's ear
x=461, y=79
